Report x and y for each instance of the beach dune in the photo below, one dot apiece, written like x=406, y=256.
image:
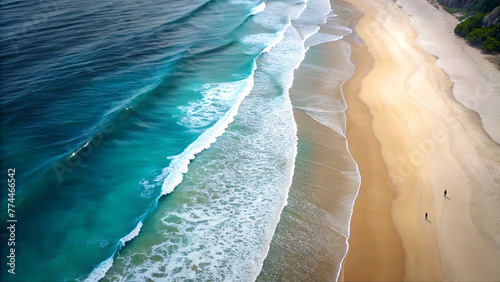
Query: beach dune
x=412, y=140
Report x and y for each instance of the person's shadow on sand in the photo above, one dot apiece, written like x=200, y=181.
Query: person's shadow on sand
x=427, y=219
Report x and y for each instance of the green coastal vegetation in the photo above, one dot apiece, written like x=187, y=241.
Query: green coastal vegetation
x=480, y=24
x=472, y=29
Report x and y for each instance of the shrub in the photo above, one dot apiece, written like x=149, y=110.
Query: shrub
x=491, y=45
x=467, y=26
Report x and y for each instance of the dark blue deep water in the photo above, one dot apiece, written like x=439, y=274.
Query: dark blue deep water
x=103, y=106
x=90, y=102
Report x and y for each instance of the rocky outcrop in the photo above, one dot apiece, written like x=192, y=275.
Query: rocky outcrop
x=492, y=18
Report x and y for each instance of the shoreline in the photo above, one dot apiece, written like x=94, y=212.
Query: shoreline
x=427, y=142
x=310, y=240
x=366, y=259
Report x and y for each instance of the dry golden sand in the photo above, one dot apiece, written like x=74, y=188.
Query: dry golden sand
x=412, y=140
x=380, y=256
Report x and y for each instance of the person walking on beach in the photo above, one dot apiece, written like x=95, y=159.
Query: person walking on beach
x=425, y=216
x=445, y=192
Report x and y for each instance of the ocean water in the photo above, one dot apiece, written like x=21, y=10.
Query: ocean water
x=310, y=241
x=154, y=140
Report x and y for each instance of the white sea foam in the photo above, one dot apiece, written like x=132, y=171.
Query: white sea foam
x=100, y=271
x=179, y=165
x=217, y=99
x=329, y=110
x=325, y=68
x=279, y=14
x=147, y=188
x=313, y=16
x=320, y=38
x=262, y=42
x=276, y=12
x=238, y=188
x=235, y=193
x=201, y=113
x=205, y=251
x=357, y=168
x=259, y=8
x=294, y=52
x=332, y=120
x=335, y=29
x=131, y=235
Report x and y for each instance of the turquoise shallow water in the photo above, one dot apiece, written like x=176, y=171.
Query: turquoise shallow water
x=151, y=140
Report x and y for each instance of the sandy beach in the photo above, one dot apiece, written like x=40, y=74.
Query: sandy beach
x=413, y=140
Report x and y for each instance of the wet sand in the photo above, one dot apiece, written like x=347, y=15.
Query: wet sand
x=412, y=140
x=379, y=257
x=310, y=240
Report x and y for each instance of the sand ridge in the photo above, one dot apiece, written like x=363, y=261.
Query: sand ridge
x=428, y=142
